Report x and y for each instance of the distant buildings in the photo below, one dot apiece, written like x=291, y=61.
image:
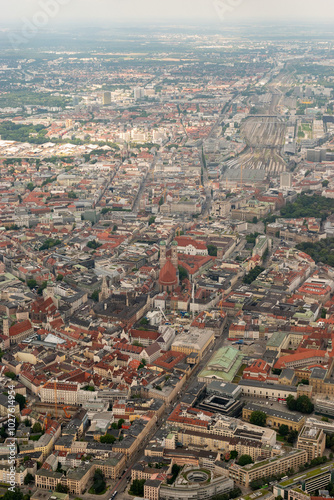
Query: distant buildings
x=106, y=98
x=138, y=93
x=285, y=180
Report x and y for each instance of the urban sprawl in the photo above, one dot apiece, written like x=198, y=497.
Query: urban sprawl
x=167, y=267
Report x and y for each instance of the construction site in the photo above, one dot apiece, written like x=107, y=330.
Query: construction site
x=56, y=410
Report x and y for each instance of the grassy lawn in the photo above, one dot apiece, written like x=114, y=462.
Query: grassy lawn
x=35, y=438
x=239, y=374
x=283, y=440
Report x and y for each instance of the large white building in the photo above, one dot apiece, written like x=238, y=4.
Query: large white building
x=190, y=246
x=196, y=340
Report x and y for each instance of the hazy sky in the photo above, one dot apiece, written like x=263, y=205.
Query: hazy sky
x=168, y=10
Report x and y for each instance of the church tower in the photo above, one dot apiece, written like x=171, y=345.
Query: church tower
x=104, y=294
x=163, y=256
x=169, y=275
x=174, y=258
x=5, y=326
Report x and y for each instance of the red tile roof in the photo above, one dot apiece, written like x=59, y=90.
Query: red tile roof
x=168, y=276
x=19, y=328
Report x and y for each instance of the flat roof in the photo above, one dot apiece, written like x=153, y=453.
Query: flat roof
x=272, y=412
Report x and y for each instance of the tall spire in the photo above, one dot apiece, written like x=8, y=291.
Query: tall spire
x=104, y=294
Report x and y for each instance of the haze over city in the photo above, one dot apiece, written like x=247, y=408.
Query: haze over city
x=167, y=250
x=110, y=11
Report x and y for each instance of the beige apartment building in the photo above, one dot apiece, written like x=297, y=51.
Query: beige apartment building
x=313, y=441
x=151, y=489
x=47, y=479
x=278, y=465
x=113, y=466
x=76, y=479
x=4, y=403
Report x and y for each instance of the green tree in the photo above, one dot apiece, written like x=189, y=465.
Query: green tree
x=151, y=220
x=31, y=283
x=245, y=460
x=3, y=432
x=107, y=438
x=291, y=403
x=94, y=244
x=30, y=186
x=283, y=430
x=183, y=274
x=72, y=195
x=175, y=472
x=304, y=405
x=308, y=206
x=42, y=287
x=95, y=295
x=61, y=488
x=253, y=274
x=60, y=277
x=10, y=375
x=233, y=454
x=258, y=418
x=36, y=428
x=21, y=400
x=120, y=423
x=13, y=495
x=49, y=243
x=137, y=487
x=212, y=250
x=292, y=436
x=29, y=478
x=323, y=313
x=99, y=484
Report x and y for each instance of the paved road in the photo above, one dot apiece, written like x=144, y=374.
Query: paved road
x=143, y=185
